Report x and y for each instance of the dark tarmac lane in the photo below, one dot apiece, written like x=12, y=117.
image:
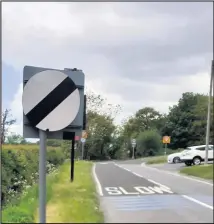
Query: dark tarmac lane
x=133, y=193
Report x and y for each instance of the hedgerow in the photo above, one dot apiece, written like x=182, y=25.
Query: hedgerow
x=20, y=168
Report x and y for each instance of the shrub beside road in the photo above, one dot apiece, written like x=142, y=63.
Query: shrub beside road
x=74, y=202
x=202, y=171
x=20, y=168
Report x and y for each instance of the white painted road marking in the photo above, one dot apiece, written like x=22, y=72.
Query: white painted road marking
x=177, y=175
x=154, y=182
x=136, y=174
x=138, y=190
x=98, y=185
x=122, y=167
x=198, y=202
x=184, y=196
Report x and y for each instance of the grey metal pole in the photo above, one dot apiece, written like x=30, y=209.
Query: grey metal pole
x=42, y=176
x=82, y=150
x=209, y=114
x=165, y=148
x=133, y=152
x=0, y=138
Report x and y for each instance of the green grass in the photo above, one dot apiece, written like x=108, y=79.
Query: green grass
x=75, y=202
x=66, y=202
x=155, y=160
x=202, y=171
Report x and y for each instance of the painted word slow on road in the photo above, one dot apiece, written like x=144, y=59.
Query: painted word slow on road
x=138, y=190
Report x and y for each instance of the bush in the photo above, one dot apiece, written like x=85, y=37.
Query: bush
x=148, y=143
x=20, y=168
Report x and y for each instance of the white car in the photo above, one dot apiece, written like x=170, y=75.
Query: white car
x=196, y=155
x=175, y=157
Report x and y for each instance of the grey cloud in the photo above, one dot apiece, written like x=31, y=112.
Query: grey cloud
x=157, y=57
x=184, y=46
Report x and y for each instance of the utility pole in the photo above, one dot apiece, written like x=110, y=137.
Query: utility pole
x=209, y=113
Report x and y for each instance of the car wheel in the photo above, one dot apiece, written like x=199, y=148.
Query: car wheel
x=188, y=163
x=176, y=160
x=197, y=161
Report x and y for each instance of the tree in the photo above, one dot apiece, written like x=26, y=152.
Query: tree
x=186, y=121
x=16, y=139
x=148, y=143
x=6, y=122
x=144, y=119
x=96, y=103
x=100, y=129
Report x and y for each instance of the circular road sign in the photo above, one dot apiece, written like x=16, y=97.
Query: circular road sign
x=50, y=100
x=83, y=140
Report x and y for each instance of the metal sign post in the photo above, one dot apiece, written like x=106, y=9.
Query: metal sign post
x=133, y=147
x=83, y=139
x=83, y=144
x=72, y=158
x=51, y=102
x=209, y=114
x=42, y=175
x=165, y=148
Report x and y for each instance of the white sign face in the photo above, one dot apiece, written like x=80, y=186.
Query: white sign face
x=50, y=100
x=133, y=140
x=83, y=140
x=138, y=190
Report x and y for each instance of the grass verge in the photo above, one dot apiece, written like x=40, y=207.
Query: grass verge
x=23, y=210
x=75, y=202
x=156, y=160
x=66, y=202
x=201, y=171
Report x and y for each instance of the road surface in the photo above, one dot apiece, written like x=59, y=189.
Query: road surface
x=135, y=193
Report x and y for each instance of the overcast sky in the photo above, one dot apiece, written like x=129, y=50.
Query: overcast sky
x=135, y=54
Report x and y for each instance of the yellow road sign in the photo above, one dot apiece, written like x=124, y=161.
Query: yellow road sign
x=166, y=139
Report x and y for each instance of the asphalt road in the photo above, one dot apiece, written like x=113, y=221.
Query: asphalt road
x=133, y=193
x=172, y=167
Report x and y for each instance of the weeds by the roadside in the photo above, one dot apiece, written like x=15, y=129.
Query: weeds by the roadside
x=21, y=207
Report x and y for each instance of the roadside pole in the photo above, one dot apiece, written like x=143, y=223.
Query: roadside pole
x=0, y=140
x=209, y=113
x=83, y=144
x=42, y=176
x=83, y=140
x=133, y=142
x=82, y=150
x=132, y=152
x=165, y=148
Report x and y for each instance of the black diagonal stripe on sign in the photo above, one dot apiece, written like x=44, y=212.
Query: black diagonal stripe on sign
x=51, y=101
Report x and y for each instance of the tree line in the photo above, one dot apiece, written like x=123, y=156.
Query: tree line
x=185, y=123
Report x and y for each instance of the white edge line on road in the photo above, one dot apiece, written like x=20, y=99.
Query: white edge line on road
x=122, y=167
x=137, y=174
x=184, y=196
x=198, y=202
x=154, y=182
x=176, y=174
x=98, y=185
